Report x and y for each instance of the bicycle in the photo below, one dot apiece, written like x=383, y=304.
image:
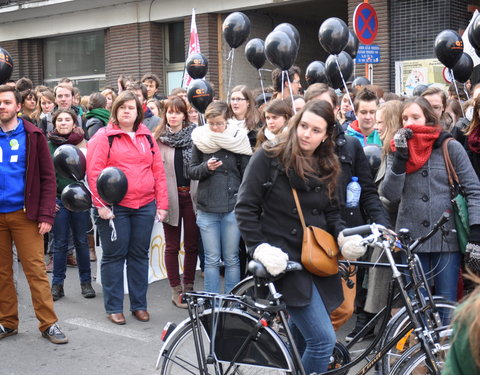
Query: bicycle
x=240, y=341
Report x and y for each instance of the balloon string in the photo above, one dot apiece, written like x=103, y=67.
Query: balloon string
x=113, y=236
x=345, y=86
x=202, y=119
x=283, y=82
x=456, y=89
x=231, y=57
x=466, y=92
x=263, y=88
x=291, y=93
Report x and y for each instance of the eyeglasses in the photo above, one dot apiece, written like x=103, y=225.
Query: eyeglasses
x=237, y=99
x=216, y=125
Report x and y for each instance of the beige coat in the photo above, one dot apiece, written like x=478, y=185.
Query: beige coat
x=168, y=157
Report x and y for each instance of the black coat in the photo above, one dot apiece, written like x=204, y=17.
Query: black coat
x=217, y=190
x=275, y=221
x=459, y=134
x=354, y=163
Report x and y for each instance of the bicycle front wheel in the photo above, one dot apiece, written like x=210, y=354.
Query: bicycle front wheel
x=181, y=356
x=417, y=364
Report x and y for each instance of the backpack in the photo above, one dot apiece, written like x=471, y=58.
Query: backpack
x=112, y=137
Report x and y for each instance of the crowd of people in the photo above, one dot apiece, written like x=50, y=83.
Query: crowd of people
x=226, y=178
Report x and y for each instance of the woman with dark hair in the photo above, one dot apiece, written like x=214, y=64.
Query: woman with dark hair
x=125, y=143
x=97, y=115
x=243, y=113
x=67, y=132
x=416, y=177
x=29, y=102
x=305, y=160
x=174, y=138
x=275, y=115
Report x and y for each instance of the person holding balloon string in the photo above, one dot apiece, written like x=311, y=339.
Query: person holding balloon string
x=67, y=132
x=242, y=112
x=275, y=114
x=175, y=142
x=137, y=196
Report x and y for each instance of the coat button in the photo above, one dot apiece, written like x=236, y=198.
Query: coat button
x=314, y=211
x=425, y=198
x=342, y=157
x=425, y=173
x=293, y=232
x=294, y=210
x=426, y=223
x=318, y=189
x=226, y=156
x=226, y=172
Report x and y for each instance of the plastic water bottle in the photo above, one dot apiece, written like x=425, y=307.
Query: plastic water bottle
x=353, y=193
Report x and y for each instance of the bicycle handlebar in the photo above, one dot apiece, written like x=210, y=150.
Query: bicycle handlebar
x=361, y=230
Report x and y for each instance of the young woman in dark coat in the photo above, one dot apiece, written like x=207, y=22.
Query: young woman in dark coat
x=270, y=225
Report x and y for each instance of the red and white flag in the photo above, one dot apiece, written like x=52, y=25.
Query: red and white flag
x=193, y=47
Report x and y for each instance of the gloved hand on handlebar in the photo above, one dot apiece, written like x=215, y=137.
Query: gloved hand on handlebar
x=350, y=246
x=273, y=258
x=401, y=149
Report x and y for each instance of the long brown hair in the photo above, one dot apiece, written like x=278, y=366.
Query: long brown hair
x=467, y=315
x=252, y=117
x=324, y=164
x=430, y=116
x=35, y=116
x=278, y=107
x=178, y=105
x=476, y=117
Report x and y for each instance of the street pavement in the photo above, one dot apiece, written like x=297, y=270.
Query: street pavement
x=96, y=345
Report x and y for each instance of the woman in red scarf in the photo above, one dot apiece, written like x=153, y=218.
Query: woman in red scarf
x=416, y=176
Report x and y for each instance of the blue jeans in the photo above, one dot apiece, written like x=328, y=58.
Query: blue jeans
x=313, y=333
x=78, y=222
x=444, y=268
x=220, y=237
x=134, y=229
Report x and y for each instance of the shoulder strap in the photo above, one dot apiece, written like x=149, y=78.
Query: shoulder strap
x=112, y=137
x=452, y=175
x=299, y=208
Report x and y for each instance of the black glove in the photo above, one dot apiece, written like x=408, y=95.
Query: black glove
x=401, y=154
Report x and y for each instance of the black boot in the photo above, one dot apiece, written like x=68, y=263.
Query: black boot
x=87, y=290
x=57, y=291
x=362, y=320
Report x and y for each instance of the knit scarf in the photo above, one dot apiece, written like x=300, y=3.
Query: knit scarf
x=474, y=140
x=232, y=139
x=74, y=138
x=181, y=139
x=420, y=146
x=100, y=113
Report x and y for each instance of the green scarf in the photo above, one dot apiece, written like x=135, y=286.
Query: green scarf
x=101, y=113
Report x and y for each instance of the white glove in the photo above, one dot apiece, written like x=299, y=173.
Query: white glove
x=273, y=258
x=350, y=246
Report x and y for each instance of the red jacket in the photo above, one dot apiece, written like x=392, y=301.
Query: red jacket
x=40, y=183
x=144, y=169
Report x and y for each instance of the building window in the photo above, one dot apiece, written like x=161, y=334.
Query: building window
x=80, y=57
x=174, y=55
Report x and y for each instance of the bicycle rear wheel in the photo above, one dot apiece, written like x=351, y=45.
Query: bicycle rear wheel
x=180, y=357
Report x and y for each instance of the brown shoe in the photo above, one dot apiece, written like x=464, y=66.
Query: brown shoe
x=177, y=297
x=93, y=255
x=117, y=318
x=141, y=315
x=71, y=261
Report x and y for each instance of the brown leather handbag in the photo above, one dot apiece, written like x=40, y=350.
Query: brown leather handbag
x=319, y=248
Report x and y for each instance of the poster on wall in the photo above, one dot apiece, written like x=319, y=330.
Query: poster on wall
x=411, y=73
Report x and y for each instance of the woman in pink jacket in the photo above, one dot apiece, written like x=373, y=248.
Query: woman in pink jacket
x=127, y=144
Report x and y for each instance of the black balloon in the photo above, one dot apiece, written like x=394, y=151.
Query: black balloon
x=346, y=66
x=290, y=30
x=463, y=68
x=200, y=94
x=236, y=29
x=70, y=162
x=360, y=81
x=76, y=197
x=315, y=73
x=281, y=50
x=112, y=185
x=448, y=47
x=6, y=66
x=333, y=35
x=374, y=157
x=352, y=45
x=474, y=33
x=197, y=65
x=255, y=52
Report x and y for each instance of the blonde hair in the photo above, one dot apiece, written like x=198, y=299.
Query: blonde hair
x=391, y=111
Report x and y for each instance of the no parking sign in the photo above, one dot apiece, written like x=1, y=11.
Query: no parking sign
x=365, y=23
